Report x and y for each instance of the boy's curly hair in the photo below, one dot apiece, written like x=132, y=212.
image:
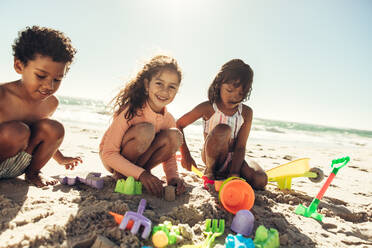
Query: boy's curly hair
x=43, y=41
x=133, y=95
x=234, y=71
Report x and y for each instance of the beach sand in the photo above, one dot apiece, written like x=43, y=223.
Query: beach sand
x=73, y=216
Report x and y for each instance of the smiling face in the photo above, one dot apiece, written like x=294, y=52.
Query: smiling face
x=231, y=94
x=161, y=89
x=41, y=77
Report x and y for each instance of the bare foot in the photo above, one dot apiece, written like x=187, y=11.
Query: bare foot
x=39, y=180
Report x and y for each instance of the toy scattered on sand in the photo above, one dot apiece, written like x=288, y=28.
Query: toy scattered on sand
x=138, y=220
x=311, y=210
x=165, y=234
x=128, y=186
x=265, y=238
x=243, y=222
x=213, y=229
x=119, y=218
x=238, y=241
x=236, y=194
x=284, y=173
x=93, y=179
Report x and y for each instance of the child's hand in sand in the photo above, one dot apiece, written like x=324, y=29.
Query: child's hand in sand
x=178, y=183
x=152, y=184
x=70, y=162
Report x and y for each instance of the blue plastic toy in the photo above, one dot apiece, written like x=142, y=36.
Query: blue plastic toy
x=238, y=241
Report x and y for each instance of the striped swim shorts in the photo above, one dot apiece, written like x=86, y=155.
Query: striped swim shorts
x=15, y=166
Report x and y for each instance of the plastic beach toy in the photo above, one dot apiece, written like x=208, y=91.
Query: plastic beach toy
x=93, y=179
x=213, y=229
x=311, y=210
x=119, y=218
x=283, y=174
x=243, y=222
x=238, y=241
x=165, y=234
x=265, y=238
x=236, y=194
x=129, y=186
x=138, y=220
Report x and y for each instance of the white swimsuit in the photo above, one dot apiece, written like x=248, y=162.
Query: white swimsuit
x=235, y=121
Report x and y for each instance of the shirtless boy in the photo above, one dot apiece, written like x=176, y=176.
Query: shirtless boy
x=28, y=137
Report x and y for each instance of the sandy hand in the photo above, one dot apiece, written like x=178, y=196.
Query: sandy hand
x=70, y=162
x=153, y=184
x=179, y=184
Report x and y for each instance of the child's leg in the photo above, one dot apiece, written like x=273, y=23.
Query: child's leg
x=254, y=174
x=14, y=136
x=146, y=149
x=165, y=144
x=216, y=148
x=46, y=136
x=136, y=141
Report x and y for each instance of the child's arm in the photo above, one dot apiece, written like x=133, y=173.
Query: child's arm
x=239, y=149
x=68, y=162
x=111, y=146
x=183, y=122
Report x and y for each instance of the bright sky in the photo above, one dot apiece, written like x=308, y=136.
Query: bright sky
x=312, y=59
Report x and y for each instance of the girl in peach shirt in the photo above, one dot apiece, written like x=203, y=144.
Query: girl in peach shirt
x=142, y=133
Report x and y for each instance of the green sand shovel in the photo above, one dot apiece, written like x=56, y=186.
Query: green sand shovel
x=311, y=210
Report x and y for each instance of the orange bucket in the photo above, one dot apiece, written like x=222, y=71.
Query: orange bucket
x=236, y=194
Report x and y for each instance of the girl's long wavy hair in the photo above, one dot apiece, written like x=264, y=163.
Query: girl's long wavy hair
x=235, y=71
x=134, y=94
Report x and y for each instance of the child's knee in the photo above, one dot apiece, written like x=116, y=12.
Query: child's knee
x=220, y=134
x=50, y=129
x=222, y=130
x=15, y=135
x=260, y=181
x=144, y=133
x=173, y=138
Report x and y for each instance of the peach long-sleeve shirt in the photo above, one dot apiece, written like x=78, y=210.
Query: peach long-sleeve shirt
x=110, y=146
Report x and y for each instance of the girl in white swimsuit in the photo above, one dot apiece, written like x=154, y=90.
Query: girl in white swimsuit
x=227, y=123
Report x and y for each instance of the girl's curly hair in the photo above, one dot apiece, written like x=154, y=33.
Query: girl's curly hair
x=133, y=95
x=43, y=41
x=234, y=71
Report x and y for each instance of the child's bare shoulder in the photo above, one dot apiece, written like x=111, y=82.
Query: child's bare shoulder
x=204, y=107
x=13, y=107
x=247, y=111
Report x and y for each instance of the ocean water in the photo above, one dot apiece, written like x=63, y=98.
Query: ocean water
x=90, y=113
